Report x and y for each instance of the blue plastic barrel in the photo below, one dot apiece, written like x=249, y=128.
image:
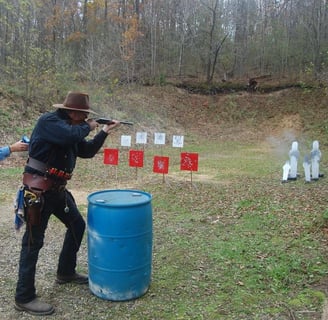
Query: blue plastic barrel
x=119, y=243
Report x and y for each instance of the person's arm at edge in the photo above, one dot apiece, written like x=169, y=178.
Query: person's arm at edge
x=15, y=147
x=4, y=152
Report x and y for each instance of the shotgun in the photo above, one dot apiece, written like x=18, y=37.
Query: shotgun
x=109, y=121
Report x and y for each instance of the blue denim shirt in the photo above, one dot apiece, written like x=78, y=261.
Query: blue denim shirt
x=57, y=143
x=4, y=152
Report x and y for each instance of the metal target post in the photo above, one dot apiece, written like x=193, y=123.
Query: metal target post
x=189, y=162
x=111, y=158
x=136, y=158
x=161, y=165
x=141, y=139
x=126, y=141
x=160, y=162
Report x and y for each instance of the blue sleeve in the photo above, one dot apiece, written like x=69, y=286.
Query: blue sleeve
x=4, y=152
x=57, y=131
x=87, y=149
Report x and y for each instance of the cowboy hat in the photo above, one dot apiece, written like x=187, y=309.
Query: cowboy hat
x=76, y=101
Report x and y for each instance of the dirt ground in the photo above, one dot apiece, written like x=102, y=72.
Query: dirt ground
x=325, y=311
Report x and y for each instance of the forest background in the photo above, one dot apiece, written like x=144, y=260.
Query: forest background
x=45, y=46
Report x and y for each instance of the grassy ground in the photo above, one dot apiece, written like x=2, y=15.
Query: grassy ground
x=233, y=242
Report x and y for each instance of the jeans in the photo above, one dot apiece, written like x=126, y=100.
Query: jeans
x=33, y=239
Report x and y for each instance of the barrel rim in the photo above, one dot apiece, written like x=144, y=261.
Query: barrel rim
x=119, y=190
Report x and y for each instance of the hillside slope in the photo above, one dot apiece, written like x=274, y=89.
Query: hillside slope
x=287, y=114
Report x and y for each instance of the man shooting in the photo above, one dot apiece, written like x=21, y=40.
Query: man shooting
x=58, y=138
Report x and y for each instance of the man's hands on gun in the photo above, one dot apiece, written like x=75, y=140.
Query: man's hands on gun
x=109, y=125
x=113, y=124
x=93, y=124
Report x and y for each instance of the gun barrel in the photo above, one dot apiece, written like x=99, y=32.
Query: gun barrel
x=127, y=123
x=109, y=121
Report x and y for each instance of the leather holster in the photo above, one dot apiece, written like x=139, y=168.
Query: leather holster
x=36, y=182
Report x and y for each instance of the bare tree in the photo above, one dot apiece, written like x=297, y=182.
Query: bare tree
x=214, y=39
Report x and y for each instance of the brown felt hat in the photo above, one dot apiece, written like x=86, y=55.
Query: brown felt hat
x=76, y=101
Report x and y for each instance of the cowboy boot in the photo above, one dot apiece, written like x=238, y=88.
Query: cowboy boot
x=35, y=307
